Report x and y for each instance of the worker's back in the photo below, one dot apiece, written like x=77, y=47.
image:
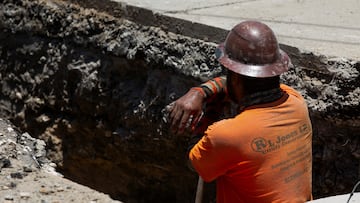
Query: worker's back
x=262, y=155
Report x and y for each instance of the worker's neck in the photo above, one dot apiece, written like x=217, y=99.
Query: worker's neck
x=261, y=97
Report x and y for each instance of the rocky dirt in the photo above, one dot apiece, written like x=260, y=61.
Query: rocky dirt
x=26, y=175
x=93, y=87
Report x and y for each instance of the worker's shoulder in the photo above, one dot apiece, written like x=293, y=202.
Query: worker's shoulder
x=230, y=125
x=291, y=91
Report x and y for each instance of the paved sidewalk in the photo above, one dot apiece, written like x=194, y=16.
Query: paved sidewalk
x=339, y=199
x=328, y=27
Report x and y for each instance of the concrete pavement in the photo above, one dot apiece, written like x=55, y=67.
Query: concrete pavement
x=327, y=27
x=339, y=199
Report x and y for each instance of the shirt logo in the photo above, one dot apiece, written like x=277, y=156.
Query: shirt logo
x=264, y=146
x=258, y=144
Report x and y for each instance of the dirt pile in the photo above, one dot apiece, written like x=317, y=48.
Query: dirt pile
x=94, y=87
x=26, y=175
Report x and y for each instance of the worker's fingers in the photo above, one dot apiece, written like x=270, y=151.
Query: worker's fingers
x=167, y=112
x=181, y=117
x=176, y=116
x=170, y=107
x=186, y=119
x=195, y=120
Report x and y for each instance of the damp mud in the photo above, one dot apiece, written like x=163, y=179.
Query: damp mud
x=94, y=86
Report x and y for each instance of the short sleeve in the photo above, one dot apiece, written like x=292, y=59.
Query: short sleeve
x=213, y=155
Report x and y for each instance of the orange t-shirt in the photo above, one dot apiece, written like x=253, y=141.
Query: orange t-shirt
x=264, y=154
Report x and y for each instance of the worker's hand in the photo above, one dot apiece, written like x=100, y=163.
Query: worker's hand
x=186, y=111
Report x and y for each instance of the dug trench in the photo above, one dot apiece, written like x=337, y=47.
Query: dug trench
x=94, y=88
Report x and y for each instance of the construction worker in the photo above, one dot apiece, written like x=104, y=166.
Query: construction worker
x=263, y=153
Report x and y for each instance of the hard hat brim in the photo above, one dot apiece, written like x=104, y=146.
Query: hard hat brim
x=281, y=65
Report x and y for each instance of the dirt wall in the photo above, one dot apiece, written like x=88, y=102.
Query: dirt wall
x=94, y=88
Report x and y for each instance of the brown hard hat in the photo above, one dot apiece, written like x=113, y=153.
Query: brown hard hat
x=251, y=49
